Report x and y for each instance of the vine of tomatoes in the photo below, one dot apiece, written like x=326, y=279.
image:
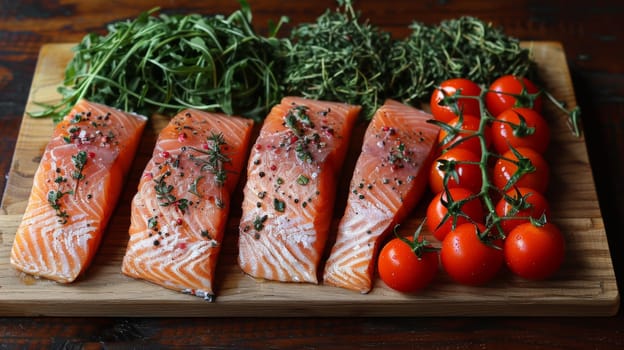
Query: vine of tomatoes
x=489, y=182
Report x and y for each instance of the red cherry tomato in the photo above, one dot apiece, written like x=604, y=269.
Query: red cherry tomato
x=520, y=127
x=521, y=203
x=437, y=211
x=469, y=125
x=401, y=268
x=499, y=99
x=466, y=175
x=467, y=259
x=505, y=169
x=451, y=87
x=534, y=252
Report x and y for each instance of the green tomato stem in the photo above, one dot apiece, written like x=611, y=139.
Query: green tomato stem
x=493, y=220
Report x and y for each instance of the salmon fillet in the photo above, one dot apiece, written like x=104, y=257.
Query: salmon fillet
x=389, y=179
x=75, y=190
x=180, y=211
x=290, y=190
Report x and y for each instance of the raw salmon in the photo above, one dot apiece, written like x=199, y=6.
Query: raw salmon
x=389, y=179
x=75, y=190
x=181, y=208
x=290, y=190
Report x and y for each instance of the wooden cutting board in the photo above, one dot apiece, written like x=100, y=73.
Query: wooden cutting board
x=585, y=286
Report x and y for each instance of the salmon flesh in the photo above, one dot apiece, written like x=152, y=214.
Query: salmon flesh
x=291, y=187
x=75, y=191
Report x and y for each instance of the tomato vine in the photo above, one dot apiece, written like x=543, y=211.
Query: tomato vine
x=492, y=229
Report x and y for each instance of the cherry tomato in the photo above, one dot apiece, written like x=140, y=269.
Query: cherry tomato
x=520, y=127
x=499, y=99
x=504, y=169
x=469, y=125
x=522, y=203
x=466, y=175
x=467, y=259
x=437, y=211
x=450, y=87
x=534, y=252
x=403, y=270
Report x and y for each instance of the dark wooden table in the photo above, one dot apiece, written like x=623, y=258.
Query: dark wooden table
x=593, y=36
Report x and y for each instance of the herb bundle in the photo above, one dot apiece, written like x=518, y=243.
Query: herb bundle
x=464, y=47
x=339, y=58
x=167, y=63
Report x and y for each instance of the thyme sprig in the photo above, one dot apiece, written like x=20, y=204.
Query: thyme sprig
x=79, y=160
x=215, y=159
x=301, y=128
x=164, y=193
x=54, y=198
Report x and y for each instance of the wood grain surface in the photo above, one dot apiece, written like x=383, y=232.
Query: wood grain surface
x=592, y=35
x=585, y=285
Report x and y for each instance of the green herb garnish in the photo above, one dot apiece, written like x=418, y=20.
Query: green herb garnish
x=53, y=199
x=279, y=205
x=193, y=186
x=464, y=47
x=259, y=222
x=303, y=180
x=298, y=121
x=79, y=160
x=215, y=160
x=152, y=223
x=339, y=58
x=164, y=193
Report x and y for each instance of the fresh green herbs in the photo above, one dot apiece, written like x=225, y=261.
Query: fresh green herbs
x=164, y=63
x=216, y=159
x=163, y=190
x=339, y=58
x=193, y=186
x=303, y=180
x=79, y=160
x=152, y=223
x=279, y=205
x=259, y=222
x=297, y=119
x=168, y=62
x=464, y=47
x=299, y=123
x=398, y=155
x=54, y=198
x=164, y=193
